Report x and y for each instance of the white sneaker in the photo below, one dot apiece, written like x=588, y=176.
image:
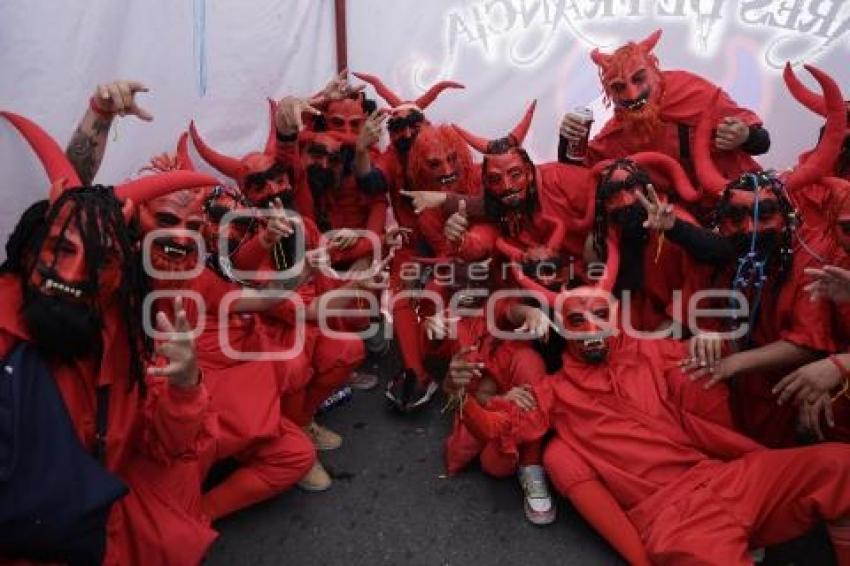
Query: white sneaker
x=538, y=506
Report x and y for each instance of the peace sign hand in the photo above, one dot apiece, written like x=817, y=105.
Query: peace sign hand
x=660, y=215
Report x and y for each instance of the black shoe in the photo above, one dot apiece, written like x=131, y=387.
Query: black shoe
x=407, y=394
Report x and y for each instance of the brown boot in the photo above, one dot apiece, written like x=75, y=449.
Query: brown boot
x=323, y=438
x=317, y=479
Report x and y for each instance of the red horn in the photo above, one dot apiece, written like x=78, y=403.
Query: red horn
x=521, y=130
x=183, y=159
x=383, y=91
x=802, y=94
x=426, y=99
x=150, y=187
x=586, y=223
x=226, y=164
x=602, y=60
x=712, y=181
x=821, y=161
x=672, y=169
x=559, y=232
x=648, y=44
x=59, y=170
x=271, y=140
x=475, y=142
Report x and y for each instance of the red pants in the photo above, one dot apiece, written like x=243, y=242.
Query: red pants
x=405, y=319
x=332, y=360
x=761, y=499
x=268, y=468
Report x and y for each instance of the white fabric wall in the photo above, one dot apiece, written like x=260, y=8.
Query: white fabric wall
x=53, y=53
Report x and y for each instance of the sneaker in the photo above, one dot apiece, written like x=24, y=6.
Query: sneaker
x=363, y=380
x=407, y=394
x=323, y=438
x=421, y=395
x=317, y=479
x=538, y=506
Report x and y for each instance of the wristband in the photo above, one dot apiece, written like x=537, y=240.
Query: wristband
x=97, y=109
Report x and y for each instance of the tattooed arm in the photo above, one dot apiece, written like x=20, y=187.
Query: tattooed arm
x=88, y=144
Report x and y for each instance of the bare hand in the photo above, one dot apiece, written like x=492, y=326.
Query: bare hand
x=370, y=133
x=338, y=88
x=178, y=347
x=277, y=227
x=725, y=369
x=397, y=237
x=522, y=397
x=289, y=115
x=318, y=258
x=659, y=215
x=808, y=383
x=423, y=200
x=343, y=239
x=461, y=371
x=830, y=282
x=536, y=323
x=374, y=279
x=706, y=351
x=457, y=224
x=731, y=134
x=439, y=326
x=573, y=128
x=809, y=417
x=119, y=97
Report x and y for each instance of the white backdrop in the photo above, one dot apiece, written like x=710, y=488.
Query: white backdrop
x=507, y=52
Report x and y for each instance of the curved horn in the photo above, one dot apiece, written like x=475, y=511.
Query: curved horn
x=53, y=159
x=586, y=223
x=673, y=170
x=383, y=91
x=431, y=95
x=601, y=59
x=271, y=139
x=475, y=142
x=648, y=44
x=712, y=181
x=822, y=160
x=226, y=164
x=521, y=130
x=559, y=232
x=185, y=162
x=801, y=93
x=150, y=187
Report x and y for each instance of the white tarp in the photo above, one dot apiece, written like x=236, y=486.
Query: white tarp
x=507, y=52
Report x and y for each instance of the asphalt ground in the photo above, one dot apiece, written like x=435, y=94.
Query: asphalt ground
x=392, y=504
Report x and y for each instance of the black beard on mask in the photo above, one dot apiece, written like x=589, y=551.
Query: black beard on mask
x=62, y=329
x=346, y=154
x=403, y=145
x=320, y=178
x=633, y=237
x=595, y=356
x=286, y=198
x=766, y=243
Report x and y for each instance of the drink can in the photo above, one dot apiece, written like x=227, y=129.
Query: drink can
x=577, y=149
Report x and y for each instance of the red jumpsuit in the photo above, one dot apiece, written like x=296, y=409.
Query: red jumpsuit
x=153, y=444
x=685, y=97
x=697, y=492
x=273, y=452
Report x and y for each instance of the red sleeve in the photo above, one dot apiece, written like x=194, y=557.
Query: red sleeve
x=363, y=247
x=479, y=242
x=176, y=420
x=809, y=323
x=430, y=224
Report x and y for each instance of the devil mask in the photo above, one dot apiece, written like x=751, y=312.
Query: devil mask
x=406, y=117
x=587, y=320
x=221, y=201
x=439, y=161
x=634, y=84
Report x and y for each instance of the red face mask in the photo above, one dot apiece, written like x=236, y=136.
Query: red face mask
x=404, y=125
x=508, y=177
x=216, y=208
x=345, y=116
x=439, y=160
x=61, y=267
x=178, y=212
x=322, y=151
x=738, y=217
x=588, y=317
x=265, y=180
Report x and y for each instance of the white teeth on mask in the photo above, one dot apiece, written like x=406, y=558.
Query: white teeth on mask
x=67, y=289
x=448, y=179
x=170, y=250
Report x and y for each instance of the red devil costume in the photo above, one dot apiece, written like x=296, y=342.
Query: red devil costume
x=693, y=491
x=786, y=329
x=658, y=110
x=153, y=440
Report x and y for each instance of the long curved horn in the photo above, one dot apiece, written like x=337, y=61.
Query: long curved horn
x=585, y=223
x=59, y=170
x=521, y=129
x=150, y=187
x=475, y=142
x=271, y=139
x=648, y=44
x=801, y=93
x=559, y=232
x=822, y=160
x=712, y=181
x=224, y=163
x=183, y=159
x=508, y=250
x=383, y=90
x=673, y=170
x=431, y=95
